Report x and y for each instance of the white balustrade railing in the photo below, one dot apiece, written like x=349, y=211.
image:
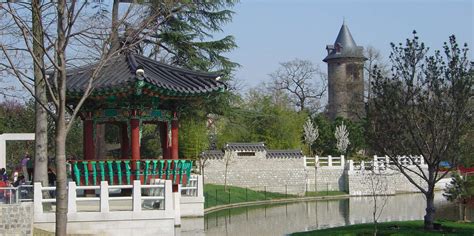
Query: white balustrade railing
x=381, y=163
x=377, y=163
x=193, y=187
x=159, y=193
x=326, y=162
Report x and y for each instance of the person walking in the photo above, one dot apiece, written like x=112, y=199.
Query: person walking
x=24, y=165
x=30, y=168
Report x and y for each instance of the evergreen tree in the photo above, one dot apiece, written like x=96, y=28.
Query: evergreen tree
x=186, y=38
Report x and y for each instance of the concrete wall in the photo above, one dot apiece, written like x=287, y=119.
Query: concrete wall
x=384, y=182
x=257, y=172
x=327, y=179
x=16, y=219
x=140, y=227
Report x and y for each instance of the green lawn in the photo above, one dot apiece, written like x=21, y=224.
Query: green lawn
x=216, y=195
x=236, y=195
x=411, y=228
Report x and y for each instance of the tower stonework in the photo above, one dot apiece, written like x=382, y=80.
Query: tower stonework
x=345, y=77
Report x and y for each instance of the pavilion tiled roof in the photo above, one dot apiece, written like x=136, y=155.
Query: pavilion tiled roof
x=120, y=73
x=284, y=154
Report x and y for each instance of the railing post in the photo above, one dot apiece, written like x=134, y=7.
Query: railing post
x=137, y=196
x=200, y=187
x=329, y=160
x=71, y=195
x=38, y=197
x=316, y=161
x=362, y=165
x=304, y=161
x=177, y=206
x=375, y=163
x=104, y=196
x=168, y=195
x=351, y=165
x=342, y=161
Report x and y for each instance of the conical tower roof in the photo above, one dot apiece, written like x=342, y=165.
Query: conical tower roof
x=344, y=38
x=344, y=46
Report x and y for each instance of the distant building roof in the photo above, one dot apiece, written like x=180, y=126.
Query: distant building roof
x=284, y=154
x=212, y=154
x=120, y=74
x=252, y=147
x=246, y=147
x=344, y=46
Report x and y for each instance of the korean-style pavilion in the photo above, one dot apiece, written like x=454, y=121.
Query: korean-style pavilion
x=129, y=91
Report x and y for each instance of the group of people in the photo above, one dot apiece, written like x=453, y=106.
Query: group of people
x=6, y=193
x=20, y=177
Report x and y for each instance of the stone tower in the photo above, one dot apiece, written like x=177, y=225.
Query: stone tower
x=345, y=77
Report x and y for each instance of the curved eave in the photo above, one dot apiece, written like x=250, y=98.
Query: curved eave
x=149, y=89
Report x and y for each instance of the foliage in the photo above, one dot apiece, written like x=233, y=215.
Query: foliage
x=16, y=117
x=422, y=109
x=150, y=141
x=262, y=117
x=395, y=228
x=460, y=190
x=185, y=38
x=193, y=137
x=326, y=144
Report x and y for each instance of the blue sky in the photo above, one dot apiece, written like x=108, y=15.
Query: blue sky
x=272, y=31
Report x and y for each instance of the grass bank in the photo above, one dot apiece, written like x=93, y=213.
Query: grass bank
x=412, y=228
x=216, y=195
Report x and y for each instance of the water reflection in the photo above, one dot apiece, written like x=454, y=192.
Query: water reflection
x=288, y=218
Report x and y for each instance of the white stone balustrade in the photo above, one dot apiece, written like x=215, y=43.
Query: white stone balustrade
x=105, y=212
x=328, y=162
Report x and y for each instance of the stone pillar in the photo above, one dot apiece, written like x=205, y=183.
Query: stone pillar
x=174, y=139
x=88, y=139
x=124, y=143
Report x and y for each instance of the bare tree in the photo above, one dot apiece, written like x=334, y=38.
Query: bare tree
x=374, y=60
x=229, y=158
x=422, y=109
x=303, y=81
x=378, y=186
x=62, y=28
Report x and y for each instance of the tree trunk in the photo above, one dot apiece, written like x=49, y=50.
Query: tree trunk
x=61, y=185
x=430, y=209
x=41, y=127
x=225, y=178
x=61, y=131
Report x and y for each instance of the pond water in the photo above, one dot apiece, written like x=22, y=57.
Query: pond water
x=283, y=219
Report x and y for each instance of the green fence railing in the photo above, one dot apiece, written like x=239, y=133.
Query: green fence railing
x=91, y=172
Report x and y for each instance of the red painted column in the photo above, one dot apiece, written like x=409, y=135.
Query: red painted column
x=88, y=139
x=135, y=128
x=164, y=139
x=174, y=139
x=124, y=143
